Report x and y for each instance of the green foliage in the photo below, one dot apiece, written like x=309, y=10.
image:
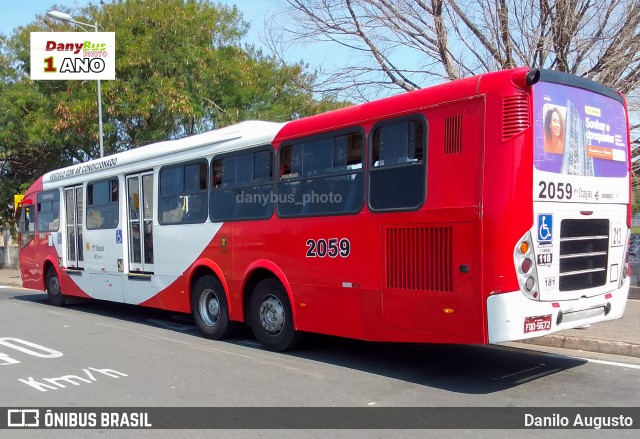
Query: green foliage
x=635, y=199
x=180, y=70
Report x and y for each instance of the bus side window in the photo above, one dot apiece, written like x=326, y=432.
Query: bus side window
x=329, y=181
x=48, y=218
x=397, y=171
x=242, y=187
x=102, y=204
x=182, y=193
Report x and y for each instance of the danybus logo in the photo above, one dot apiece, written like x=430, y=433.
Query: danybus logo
x=23, y=418
x=73, y=55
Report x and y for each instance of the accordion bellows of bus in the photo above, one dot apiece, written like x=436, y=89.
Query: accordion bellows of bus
x=489, y=209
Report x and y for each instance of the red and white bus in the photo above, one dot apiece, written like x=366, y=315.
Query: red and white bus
x=484, y=210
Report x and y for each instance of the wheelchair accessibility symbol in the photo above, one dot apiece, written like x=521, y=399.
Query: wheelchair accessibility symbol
x=545, y=227
x=118, y=236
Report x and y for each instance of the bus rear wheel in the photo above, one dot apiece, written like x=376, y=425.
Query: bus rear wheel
x=53, y=288
x=210, y=309
x=271, y=317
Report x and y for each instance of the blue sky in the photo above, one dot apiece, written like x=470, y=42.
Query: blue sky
x=22, y=12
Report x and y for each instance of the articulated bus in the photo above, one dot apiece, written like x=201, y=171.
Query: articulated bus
x=484, y=210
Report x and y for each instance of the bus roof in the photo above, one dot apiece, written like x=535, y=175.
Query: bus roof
x=221, y=140
x=399, y=104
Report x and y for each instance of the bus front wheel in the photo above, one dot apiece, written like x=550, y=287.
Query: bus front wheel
x=53, y=288
x=271, y=317
x=210, y=309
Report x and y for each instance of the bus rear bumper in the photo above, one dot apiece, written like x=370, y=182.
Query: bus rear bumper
x=511, y=316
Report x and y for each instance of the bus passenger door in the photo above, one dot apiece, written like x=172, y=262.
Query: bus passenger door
x=140, y=222
x=73, y=203
x=30, y=271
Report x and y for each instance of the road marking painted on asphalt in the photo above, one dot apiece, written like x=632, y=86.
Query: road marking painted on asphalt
x=250, y=343
x=541, y=366
x=192, y=345
x=60, y=313
x=76, y=380
x=539, y=349
x=592, y=360
x=173, y=326
x=611, y=363
x=261, y=356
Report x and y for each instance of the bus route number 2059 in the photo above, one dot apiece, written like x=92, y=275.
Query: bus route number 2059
x=333, y=247
x=551, y=190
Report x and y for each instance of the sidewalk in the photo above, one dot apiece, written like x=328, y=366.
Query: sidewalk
x=618, y=337
x=10, y=276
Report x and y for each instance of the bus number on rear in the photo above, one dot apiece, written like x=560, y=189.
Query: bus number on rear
x=333, y=247
x=555, y=191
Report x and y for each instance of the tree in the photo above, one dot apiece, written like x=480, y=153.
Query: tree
x=402, y=45
x=180, y=69
x=449, y=39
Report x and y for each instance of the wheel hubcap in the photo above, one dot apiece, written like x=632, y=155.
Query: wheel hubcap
x=209, y=308
x=54, y=286
x=272, y=315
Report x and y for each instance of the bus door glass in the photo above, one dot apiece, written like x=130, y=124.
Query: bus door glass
x=26, y=225
x=27, y=246
x=73, y=202
x=140, y=222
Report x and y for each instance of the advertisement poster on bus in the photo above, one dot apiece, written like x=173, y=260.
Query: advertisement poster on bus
x=580, y=145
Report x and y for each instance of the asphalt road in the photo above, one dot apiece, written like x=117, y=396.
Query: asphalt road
x=98, y=354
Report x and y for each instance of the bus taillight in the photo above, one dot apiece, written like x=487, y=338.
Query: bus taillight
x=525, y=267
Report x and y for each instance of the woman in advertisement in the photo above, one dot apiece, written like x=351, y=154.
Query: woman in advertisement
x=553, y=131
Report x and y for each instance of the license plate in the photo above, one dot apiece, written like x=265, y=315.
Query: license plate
x=534, y=324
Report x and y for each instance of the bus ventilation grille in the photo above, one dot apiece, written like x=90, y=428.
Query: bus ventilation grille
x=515, y=115
x=584, y=247
x=419, y=258
x=453, y=134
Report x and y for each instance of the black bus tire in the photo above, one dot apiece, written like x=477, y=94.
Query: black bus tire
x=210, y=309
x=53, y=288
x=271, y=317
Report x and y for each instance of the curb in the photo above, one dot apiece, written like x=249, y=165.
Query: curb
x=586, y=344
x=634, y=293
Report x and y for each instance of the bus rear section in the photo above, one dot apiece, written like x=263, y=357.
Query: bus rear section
x=571, y=263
